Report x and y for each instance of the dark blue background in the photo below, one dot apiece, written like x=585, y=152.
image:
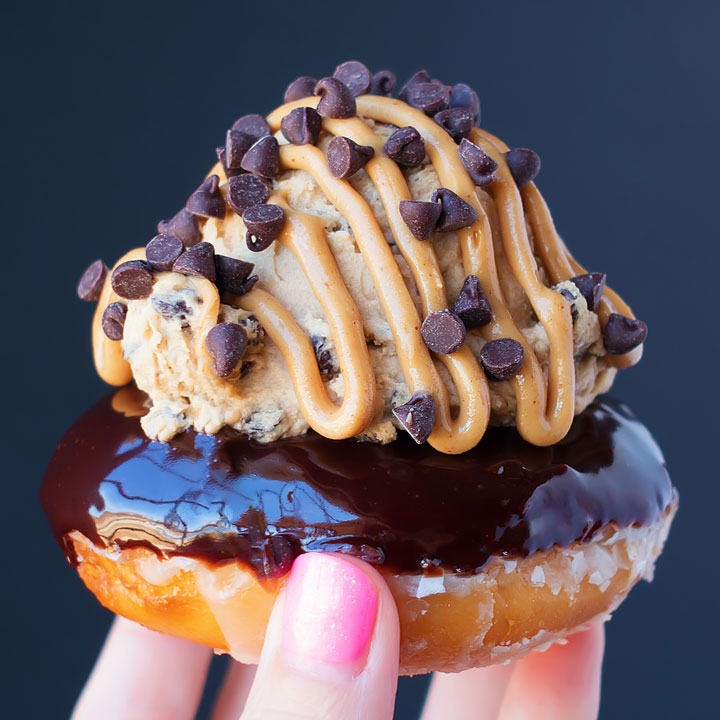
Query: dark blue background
x=110, y=118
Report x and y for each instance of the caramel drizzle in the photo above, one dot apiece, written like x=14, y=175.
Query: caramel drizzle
x=544, y=409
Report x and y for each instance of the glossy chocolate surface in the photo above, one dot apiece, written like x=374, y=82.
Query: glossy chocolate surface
x=403, y=505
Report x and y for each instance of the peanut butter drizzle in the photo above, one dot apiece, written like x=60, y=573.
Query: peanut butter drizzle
x=112, y=367
x=544, y=409
x=305, y=236
x=558, y=261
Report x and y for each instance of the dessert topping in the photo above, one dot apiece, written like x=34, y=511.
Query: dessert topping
x=420, y=217
x=264, y=223
x=421, y=76
x=345, y=157
x=465, y=97
x=591, y=286
x=455, y=213
x=254, y=125
x=232, y=275
x=621, y=334
x=458, y=122
x=221, y=153
x=431, y=97
x=163, y=250
x=300, y=88
x=207, y=200
x=524, y=165
x=113, y=320
x=237, y=143
x=382, y=83
x=355, y=76
x=198, y=261
x=263, y=158
x=226, y=343
x=132, y=280
x=480, y=166
x=405, y=147
x=472, y=306
x=301, y=126
x=336, y=100
x=443, y=332
x=92, y=281
x=417, y=416
x=245, y=191
x=502, y=358
x=185, y=225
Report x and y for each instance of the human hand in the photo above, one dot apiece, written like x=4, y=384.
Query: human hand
x=331, y=653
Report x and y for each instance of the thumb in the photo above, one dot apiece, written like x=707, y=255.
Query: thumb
x=331, y=648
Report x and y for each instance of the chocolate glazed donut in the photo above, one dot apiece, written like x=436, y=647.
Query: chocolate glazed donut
x=191, y=535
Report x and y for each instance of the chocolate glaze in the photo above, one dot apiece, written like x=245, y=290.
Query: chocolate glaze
x=406, y=506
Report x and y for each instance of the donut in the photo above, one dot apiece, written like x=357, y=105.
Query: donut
x=362, y=334
x=489, y=554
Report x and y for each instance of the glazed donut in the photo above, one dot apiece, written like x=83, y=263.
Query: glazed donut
x=362, y=334
x=489, y=554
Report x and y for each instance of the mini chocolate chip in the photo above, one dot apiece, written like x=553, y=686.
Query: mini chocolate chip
x=231, y=274
x=132, y=280
x=301, y=126
x=421, y=76
x=480, y=166
x=264, y=223
x=197, y=261
x=456, y=213
x=92, y=281
x=226, y=343
x=222, y=157
x=163, y=250
x=113, y=320
x=524, y=165
x=301, y=87
x=254, y=125
x=591, y=287
x=502, y=358
x=571, y=299
x=245, y=191
x=621, y=334
x=457, y=122
x=236, y=145
x=247, y=285
x=336, y=100
x=263, y=158
x=207, y=200
x=171, y=310
x=345, y=157
x=382, y=83
x=443, y=332
x=429, y=97
x=275, y=558
x=472, y=304
x=185, y=225
x=420, y=217
x=417, y=416
x=406, y=147
x=464, y=96
x=325, y=359
x=354, y=75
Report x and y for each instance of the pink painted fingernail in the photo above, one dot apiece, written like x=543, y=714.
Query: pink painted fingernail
x=330, y=608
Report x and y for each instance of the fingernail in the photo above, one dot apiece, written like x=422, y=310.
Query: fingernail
x=330, y=608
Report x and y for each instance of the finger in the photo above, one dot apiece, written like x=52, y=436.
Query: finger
x=234, y=691
x=331, y=649
x=144, y=675
x=562, y=683
x=471, y=695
